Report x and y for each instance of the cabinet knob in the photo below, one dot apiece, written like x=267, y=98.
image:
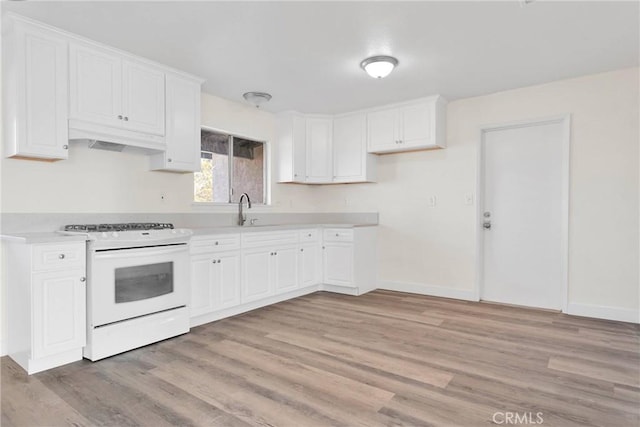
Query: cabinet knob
x=65, y=147
x=219, y=261
x=119, y=116
x=301, y=250
x=214, y=261
x=126, y=119
x=83, y=279
x=275, y=253
x=169, y=160
x=337, y=235
x=323, y=247
x=309, y=234
x=61, y=256
x=216, y=243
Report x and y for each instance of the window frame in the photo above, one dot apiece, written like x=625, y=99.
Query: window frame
x=266, y=169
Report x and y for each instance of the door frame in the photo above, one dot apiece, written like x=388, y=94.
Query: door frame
x=565, y=120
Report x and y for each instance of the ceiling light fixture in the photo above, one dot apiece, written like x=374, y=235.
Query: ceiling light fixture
x=379, y=66
x=256, y=98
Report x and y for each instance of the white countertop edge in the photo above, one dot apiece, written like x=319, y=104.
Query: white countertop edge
x=41, y=237
x=54, y=237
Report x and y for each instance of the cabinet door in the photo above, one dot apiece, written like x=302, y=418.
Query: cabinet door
x=183, y=125
x=338, y=264
x=416, y=125
x=226, y=282
x=349, y=148
x=58, y=312
x=309, y=270
x=95, y=86
x=285, y=269
x=318, y=145
x=382, y=130
x=39, y=127
x=202, y=277
x=142, y=98
x=256, y=274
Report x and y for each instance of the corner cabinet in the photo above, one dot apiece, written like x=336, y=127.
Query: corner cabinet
x=47, y=311
x=35, y=86
x=182, y=136
x=416, y=125
x=315, y=149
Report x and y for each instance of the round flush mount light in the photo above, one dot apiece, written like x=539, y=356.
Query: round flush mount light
x=256, y=98
x=379, y=67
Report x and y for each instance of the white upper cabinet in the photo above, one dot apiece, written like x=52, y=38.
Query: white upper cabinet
x=183, y=127
x=323, y=150
x=319, y=162
x=291, y=147
x=109, y=90
x=414, y=125
x=35, y=86
x=143, y=98
x=351, y=162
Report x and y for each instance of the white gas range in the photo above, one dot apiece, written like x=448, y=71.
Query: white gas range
x=137, y=285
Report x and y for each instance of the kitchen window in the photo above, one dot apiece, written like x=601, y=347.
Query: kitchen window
x=230, y=165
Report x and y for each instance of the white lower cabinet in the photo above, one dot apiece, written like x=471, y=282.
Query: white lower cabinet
x=47, y=311
x=268, y=271
x=309, y=265
x=233, y=273
x=349, y=260
x=215, y=282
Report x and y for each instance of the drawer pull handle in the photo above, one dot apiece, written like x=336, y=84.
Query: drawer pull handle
x=83, y=279
x=61, y=256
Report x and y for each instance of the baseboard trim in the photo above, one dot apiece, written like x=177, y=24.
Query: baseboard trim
x=604, y=312
x=431, y=290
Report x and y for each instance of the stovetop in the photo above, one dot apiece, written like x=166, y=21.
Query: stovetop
x=128, y=226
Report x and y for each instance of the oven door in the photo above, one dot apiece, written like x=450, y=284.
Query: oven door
x=127, y=283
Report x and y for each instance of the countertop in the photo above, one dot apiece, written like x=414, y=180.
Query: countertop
x=53, y=237
x=257, y=228
x=41, y=237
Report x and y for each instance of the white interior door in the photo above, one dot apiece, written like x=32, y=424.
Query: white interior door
x=523, y=177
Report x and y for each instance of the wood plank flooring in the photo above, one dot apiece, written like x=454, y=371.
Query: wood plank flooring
x=381, y=359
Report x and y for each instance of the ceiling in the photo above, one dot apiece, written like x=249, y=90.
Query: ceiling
x=307, y=54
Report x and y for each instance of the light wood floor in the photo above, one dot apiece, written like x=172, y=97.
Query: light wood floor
x=384, y=358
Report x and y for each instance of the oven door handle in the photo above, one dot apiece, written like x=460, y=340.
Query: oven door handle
x=138, y=252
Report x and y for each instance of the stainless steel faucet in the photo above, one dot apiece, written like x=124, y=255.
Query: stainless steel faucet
x=241, y=217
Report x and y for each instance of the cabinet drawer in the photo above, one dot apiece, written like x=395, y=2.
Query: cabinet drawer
x=57, y=256
x=309, y=236
x=266, y=238
x=338, y=235
x=214, y=243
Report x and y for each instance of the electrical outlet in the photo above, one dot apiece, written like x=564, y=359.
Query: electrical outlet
x=431, y=201
x=468, y=199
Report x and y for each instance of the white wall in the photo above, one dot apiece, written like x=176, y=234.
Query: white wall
x=436, y=246
x=431, y=248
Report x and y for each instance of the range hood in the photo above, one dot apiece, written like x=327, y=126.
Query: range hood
x=114, y=139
